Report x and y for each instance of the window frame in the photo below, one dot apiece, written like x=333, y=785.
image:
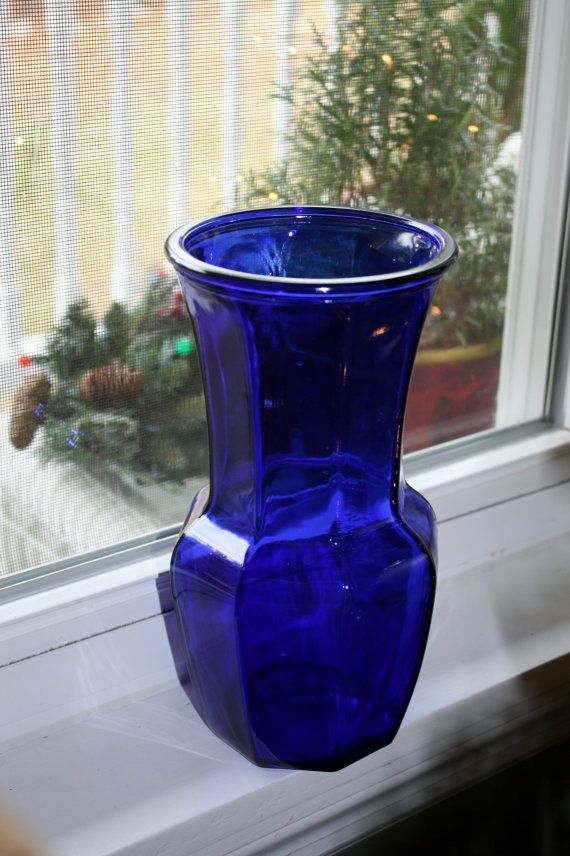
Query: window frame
x=541, y=213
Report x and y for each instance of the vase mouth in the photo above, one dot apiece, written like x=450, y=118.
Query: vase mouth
x=312, y=248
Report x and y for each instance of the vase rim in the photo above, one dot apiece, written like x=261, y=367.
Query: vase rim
x=184, y=260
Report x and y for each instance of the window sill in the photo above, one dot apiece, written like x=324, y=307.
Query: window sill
x=101, y=748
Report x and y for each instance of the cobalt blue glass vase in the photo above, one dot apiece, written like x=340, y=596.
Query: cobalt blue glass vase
x=304, y=584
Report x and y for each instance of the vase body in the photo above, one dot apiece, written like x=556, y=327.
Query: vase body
x=304, y=587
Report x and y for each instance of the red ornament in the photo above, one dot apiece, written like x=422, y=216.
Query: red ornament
x=24, y=360
x=176, y=303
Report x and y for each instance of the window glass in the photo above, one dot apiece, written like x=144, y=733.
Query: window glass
x=122, y=119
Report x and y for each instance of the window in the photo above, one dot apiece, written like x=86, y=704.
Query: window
x=122, y=119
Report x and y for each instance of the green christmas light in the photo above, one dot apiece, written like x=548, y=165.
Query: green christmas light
x=184, y=346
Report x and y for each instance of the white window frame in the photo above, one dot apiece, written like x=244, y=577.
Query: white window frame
x=83, y=646
x=541, y=211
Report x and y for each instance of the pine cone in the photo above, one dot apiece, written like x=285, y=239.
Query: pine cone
x=105, y=386
x=24, y=420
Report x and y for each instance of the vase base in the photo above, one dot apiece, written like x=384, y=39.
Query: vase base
x=311, y=708
x=326, y=765
x=306, y=656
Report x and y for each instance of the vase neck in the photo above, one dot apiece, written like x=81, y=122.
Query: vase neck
x=306, y=404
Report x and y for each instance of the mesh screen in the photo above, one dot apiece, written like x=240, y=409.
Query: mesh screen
x=122, y=119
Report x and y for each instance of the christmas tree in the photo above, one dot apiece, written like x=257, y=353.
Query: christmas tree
x=407, y=114
x=125, y=395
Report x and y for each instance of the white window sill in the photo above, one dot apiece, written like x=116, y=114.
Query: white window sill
x=103, y=754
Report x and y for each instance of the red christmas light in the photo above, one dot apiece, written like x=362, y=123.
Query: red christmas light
x=24, y=360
